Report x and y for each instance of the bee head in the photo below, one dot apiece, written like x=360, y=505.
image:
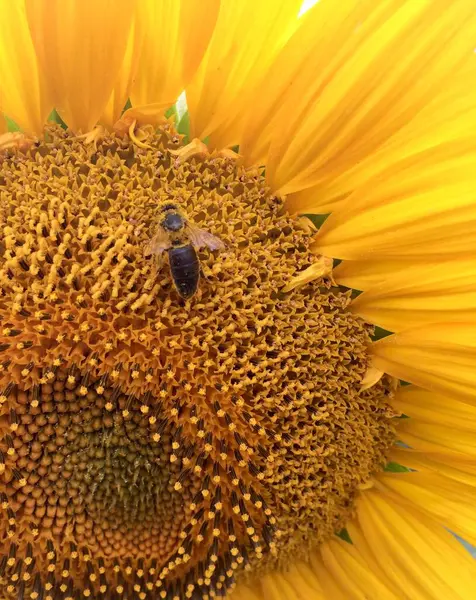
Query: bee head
x=168, y=206
x=173, y=221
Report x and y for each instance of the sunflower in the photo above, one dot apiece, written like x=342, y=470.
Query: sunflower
x=237, y=340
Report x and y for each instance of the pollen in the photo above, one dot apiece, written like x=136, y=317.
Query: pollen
x=151, y=444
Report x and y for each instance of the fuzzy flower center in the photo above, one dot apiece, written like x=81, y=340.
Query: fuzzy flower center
x=152, y=444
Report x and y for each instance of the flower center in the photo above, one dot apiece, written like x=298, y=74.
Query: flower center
x=154, y=439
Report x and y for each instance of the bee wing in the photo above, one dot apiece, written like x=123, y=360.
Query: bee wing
x=157, y=244
x=200, y=237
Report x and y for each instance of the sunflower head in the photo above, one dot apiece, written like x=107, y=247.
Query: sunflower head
x=174, y=444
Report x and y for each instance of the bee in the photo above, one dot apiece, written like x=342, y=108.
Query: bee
x=177, y=235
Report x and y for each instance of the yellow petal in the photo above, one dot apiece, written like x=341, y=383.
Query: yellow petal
x=449, y=115
x=127, y=72
x=194, y=148
x=276, y=587
x=365, y=274
x=80, y=47
x=439, y=357
x=310, y=201
x=247, y=37
x=440, y=425
x=329, y=585
x=175, y=36
x=449, y=502
x=149, y=115
x=428, y=407
x=416, y=554
x=3, y=124
x=305, y=62
x=229, y=153
x=421, y=295
x=362, y=544
x=459, y=467
x=23, y=95
x=304, y=580
x=371, y=377
x=419, y=209
x=437, y=438
x=354, y=575
x=358, y=89
x=16, y=140
x=321, y=268
x=298, y=582
x=306, y=224
x=244, y=592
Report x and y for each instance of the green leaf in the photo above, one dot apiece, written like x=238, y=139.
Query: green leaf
x=393, y=467
x=183, y=127
x=181, y=106
x=172, y=112
x=344, y=535
x=317, y=220
x=127, y=105
x=55, y=118
x=380, y=333
x=12, y=126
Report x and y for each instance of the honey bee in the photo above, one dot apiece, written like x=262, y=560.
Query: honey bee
x=177, y=235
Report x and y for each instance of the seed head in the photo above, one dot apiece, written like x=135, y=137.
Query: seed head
x=151, y=443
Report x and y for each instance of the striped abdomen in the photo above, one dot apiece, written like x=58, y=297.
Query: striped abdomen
x=185, y=269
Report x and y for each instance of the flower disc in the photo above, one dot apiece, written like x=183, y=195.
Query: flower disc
x=150, y=442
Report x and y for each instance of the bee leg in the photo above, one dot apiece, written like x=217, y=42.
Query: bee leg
x=202, y=274
x=160, y=260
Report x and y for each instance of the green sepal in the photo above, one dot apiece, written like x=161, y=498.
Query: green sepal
x=172, y=112
x=393, y=467
x=183, y=127
x=317, y=220
x=344, y=535
x=380, y=333
x=11, y=125
x=55, y=118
